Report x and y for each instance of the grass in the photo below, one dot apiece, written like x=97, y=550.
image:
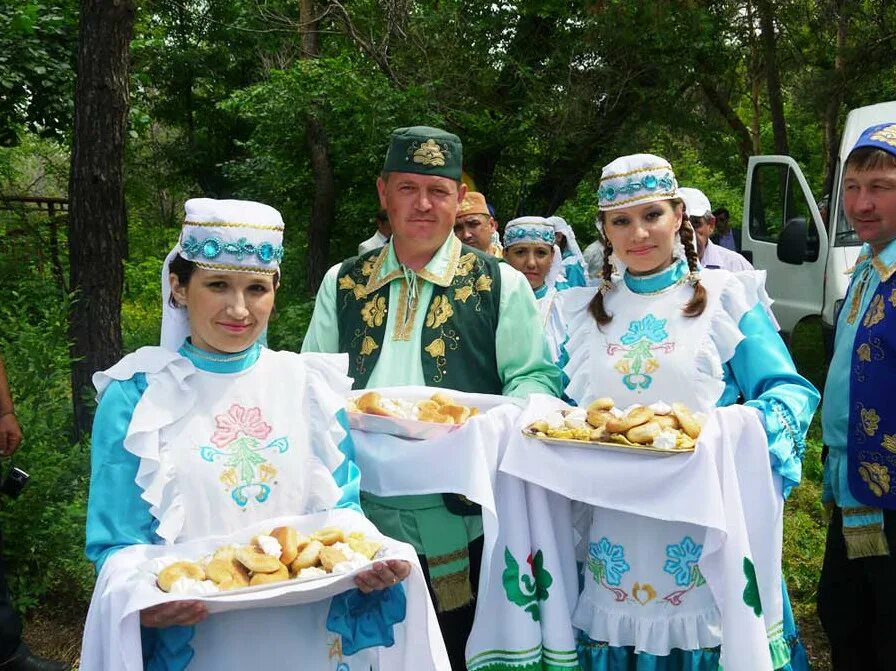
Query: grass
x=805, y=523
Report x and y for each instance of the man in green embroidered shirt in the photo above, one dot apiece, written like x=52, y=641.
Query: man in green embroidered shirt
x=427, y=310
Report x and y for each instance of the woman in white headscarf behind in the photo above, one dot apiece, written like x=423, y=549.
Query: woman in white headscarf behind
x=573, y=261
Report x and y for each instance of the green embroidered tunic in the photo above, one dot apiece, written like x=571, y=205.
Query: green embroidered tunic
x=474, y=326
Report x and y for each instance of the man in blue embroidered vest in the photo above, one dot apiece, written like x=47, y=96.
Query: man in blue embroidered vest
x=428, y=310
x=857, y=591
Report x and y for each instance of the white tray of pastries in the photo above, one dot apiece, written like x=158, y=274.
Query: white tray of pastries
x=431, y=416
x=282, y=555
x=659, y=429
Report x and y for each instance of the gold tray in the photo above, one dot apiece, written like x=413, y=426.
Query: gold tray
x=611, y=447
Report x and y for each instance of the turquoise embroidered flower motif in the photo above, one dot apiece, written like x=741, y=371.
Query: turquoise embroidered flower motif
x=649, y=328
x=682, y=561
x=639, y=342
x=607, y=561
x=238, y=438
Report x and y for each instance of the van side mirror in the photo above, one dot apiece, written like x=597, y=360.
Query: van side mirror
x=793, y=241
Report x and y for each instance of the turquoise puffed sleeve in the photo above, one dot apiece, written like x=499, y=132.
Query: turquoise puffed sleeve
x=116, y=515
x=575, y=275
x=348, y=475
x=763, y=372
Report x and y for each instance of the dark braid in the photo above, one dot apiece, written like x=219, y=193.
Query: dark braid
x=697, y=304
x=596, y=306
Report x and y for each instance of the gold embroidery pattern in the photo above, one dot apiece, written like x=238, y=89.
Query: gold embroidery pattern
x=367, y=267
x=465, y=264
x=440, y=311
x=430, y=153
x=875, y=313
x=889, y=442
x=368, y=344
x=876, y=476
x=870, y=420
x=463, y=293
x=886, y=135
x=893, y=298
x=446, y=340
x=857, y=300
x=374, y=312
x=864, y=352
x=484, y=283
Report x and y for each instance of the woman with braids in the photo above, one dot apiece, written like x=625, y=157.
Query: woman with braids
x=658, y=329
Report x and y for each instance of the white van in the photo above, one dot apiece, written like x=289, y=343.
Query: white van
x=808, y=262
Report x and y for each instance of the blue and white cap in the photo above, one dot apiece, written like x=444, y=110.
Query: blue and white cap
x=881, y=136
x=229, y=235
x=238, y=235
x=635, y=180
x=528, y=229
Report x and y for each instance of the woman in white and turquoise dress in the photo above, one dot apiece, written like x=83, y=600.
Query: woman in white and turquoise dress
x=220, y=435
x=659, y=329
x=574, y=267
x=529, y=247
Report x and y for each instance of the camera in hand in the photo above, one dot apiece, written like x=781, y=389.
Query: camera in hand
x=14, y=482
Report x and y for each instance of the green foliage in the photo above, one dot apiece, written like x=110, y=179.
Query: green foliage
x=37, y=55
x=44, y=528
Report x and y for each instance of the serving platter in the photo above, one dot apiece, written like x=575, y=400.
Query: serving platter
x=648, y=450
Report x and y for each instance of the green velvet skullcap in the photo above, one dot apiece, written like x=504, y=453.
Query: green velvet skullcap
x=425, y=151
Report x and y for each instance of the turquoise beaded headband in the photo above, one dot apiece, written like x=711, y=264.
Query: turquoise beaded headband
x=529, y=229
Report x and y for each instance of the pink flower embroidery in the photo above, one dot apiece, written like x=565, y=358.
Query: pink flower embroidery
x=239, y=420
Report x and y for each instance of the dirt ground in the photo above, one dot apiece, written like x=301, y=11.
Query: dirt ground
x=62, y=640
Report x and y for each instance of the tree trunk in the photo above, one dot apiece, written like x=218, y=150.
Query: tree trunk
x=744, y=140
x=755, y=82
x=323, y=205
x=772, y=77
x=97, y=221
x=835, y=98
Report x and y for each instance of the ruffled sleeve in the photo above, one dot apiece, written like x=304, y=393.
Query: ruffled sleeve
x=167, y=375
x=573, y=329
x=757, y=366
x=112, y=473
x=328, y=386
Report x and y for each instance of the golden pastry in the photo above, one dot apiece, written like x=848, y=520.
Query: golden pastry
x=604, y=403
x=289, y=543
x=180, y=569
x=227, y=573
x=598, y=418
x=458, y=413
x=308, y=557
x=637, y=416
x=666, y=421
x=688, y=423
x=282, y=573
x=644, y=434
x=330, y=556
x=365, y=547
x=371, y=403
x=257, y=561
x=329, y=535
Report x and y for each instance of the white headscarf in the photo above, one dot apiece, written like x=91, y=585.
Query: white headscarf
x=536, y=229
x=561, y=226
x=231, y=235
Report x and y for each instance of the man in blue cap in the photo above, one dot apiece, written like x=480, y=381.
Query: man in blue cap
x=857, y=590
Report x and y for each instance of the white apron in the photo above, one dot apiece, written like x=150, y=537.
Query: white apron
x=643, y=587
x=226, y=452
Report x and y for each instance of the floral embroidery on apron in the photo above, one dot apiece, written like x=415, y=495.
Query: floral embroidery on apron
x=643, y=339
x=239, y=441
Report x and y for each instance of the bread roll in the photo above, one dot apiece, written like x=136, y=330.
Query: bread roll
x=330, y=556
x=604, y=403
x=688, y=423
x=329, y=535
x=637, y=416
x=308, y=557
x=282, y=573
x=644, y=433
x=257, y=561
x=289, y=542
x=181, y=569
